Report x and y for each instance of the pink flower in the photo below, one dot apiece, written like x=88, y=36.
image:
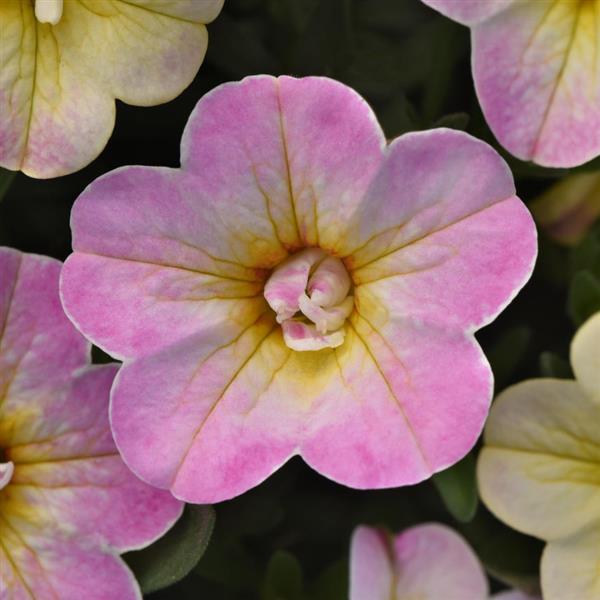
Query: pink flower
x=536, y=74
x=429, y=562
x=297, y=287
x=68, y=504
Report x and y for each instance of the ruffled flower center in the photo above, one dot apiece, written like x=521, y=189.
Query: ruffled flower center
x=310, y=294
x=6, y=472
x=48, y=11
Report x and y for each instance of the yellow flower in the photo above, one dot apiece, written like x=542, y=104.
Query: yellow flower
x=540, y=468
x=62, y=64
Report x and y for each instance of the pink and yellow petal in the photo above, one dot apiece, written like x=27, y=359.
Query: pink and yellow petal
x=310, y=146
x=428, y=397
x=239, y=405
x=37, y=566
x=538, y=80
x=57, y=99
x=585, y=357
x=539, y=470
x=157, y=281
x=569, y=567
x=39, y=348
x=75, y=481
x=432, y=239
x=469, y=12
x=224, y=423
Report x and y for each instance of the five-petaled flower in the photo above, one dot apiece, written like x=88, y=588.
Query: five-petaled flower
x=428, y=562
x=537, y=74
x=68, y=504
x=62, y=64
x=299, y=286
x=540, y=468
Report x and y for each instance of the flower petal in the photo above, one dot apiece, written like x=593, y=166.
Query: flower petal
x=406, y=401
x=371, y=574
x=36, y=566
x=39, y=348
x=153, y=281
x=240, y=403
x=585, y=356
x=224, y=422
x=538, y=80
x=569, y=567
x=75, y=479
x=434, y=562
x=59, y=82
x=539, y=470
x=428, y=562
x=441, y=235
x=310, y=146
x=469, y=12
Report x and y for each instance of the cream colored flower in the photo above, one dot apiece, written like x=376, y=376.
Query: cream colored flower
x=62, y=64
x=540, y=468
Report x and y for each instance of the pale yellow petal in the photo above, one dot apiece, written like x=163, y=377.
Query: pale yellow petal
x=585, y=356
x=540, y=468
x=571, y=567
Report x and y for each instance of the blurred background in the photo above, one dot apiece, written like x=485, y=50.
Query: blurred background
x=289, y=538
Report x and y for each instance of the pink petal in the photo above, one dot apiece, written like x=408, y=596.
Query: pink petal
x=469, y=12
x=538, y=80
x=406, y=401
x=436, y=562
x=77, y=478
x=441, y=235
x=310, y=146
x=37, y=566
x=68, y=482
x=39, y=348
x=429, y=562
x=371, y=565
x=225, y=422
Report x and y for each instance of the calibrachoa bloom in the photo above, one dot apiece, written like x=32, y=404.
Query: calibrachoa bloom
x=62, y=64
x=540, y=468
x=68, y=504
x=297, y=287
x=536, y=73
x=428, y=562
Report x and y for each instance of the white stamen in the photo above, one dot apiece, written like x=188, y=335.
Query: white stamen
x=48, y=11
x=6, y=473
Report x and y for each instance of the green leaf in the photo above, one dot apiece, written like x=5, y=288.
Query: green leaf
x=283, y=580
x=173, y=556
x=552, y=365
x=332, y=584
x=458, y=488
x=6, y=178
x=459, y=120
x=584, y=297
x=508, y=555
x=506, y=354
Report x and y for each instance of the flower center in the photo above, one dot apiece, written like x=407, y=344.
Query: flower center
x=309, y=293
x=48, y=11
